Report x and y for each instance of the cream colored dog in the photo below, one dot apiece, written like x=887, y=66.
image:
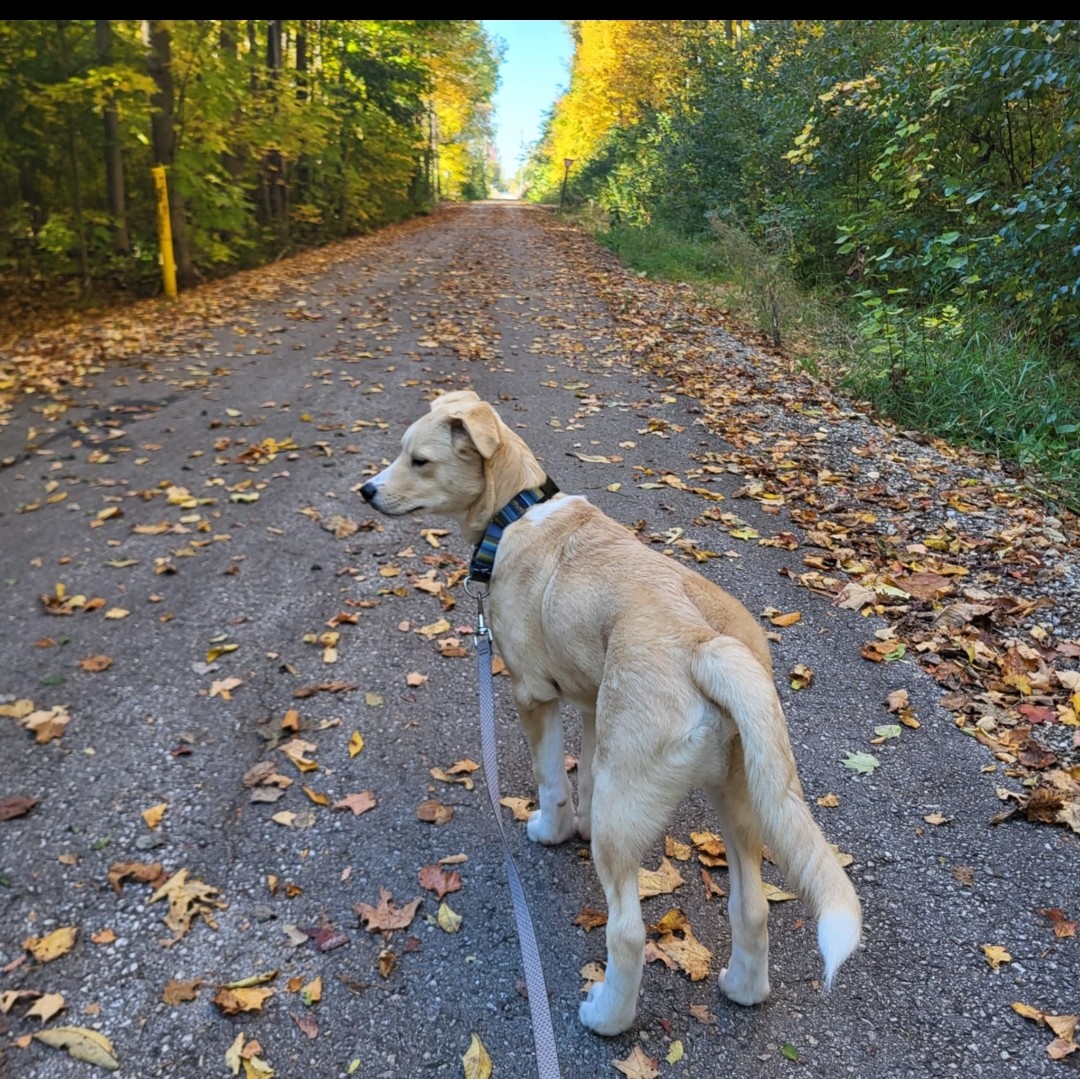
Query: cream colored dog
x=672, y=677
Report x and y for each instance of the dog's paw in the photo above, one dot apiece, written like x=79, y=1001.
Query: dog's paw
x=745, y=989
x=550, y=828
x=602, y=1014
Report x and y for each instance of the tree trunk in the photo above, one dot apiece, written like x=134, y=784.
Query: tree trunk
x=76, y=183
x=303, y=171
x=158, y=36
x=230, y=162
x=114, y=161
x=275, y=162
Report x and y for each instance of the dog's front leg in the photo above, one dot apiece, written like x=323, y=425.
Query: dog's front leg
x=554, y=822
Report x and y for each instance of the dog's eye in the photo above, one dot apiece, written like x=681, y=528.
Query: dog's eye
x=418, y=462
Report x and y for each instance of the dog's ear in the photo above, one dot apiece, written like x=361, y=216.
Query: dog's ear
x=478, y=420
x=455, y=397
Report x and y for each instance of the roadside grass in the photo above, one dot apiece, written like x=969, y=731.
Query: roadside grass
x=980, y=386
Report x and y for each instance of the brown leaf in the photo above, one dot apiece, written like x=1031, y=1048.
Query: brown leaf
x=16, y=806
x=520, y=807
x=46, y=1006
x=143, y=872
x=1062, y=925
x=245, y=999
x=95, y=664
x=637, y=1065
x=434, y=812
x=386, y=916
x=438, y=880
x=711, y=887
x=702, y=1014
x=103, y=936
x=359, y=802
x=177, y=992
x=308, y=1027
x=590, y=919
x=678, y=943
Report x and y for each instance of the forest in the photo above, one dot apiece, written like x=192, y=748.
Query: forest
x=275, y=134
x=918, y=175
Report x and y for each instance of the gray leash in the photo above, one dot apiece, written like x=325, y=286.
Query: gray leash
x=547, y=1057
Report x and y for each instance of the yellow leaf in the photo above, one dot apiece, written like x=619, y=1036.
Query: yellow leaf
x=46, y=1006
x=476, y=1063
x=373, y=700
x=115, y=613
x=153, y=815
x=104, y=936
x=312, y=992
x=774, y=894
x=434, y=629
x=82, y=1044
x=661, y=881
x=675, y=1053
x=356, y=743
x=996, y=955
x=449, y=920
x=828, y=801
x=53, y=945
x=316, y=797
x=234, y=1001
x=786, y=619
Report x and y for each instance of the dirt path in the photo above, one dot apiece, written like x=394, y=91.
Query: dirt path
x=211, y=497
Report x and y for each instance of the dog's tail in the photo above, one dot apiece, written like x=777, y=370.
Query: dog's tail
x=727, y=673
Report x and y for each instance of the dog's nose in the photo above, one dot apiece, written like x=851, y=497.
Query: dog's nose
x=368, y=491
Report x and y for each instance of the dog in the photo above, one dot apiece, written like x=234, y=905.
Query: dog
x=673, y=680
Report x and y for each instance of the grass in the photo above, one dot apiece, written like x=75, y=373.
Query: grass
x=983, y=386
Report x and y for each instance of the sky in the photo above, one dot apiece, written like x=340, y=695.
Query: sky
x=535, y=70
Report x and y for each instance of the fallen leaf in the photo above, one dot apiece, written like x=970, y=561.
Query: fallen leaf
x=245, y=999
x=177, y=992
x=711, y=887
x=434, y=812
x=678, y=943
x=223, y=687
x=674, y=849
x=433, y=629
x=386, y=916
x=436, y=879
x=95, y=664
x=116, y=613
x=358, y=803
x=311, y=993
x=16, y=806
x=996, y=955
x=702, y=1014
x=153, y=815
x=801, y=676
x=774, y=894
x=318, y=798
x=103, y=936
x=785, y=620
x=590, y=919
x=828, y=801
x=637, y=1065
x=449, y=921
x=475, y=1061
x=356, y=743
x=82, y=1044
x=387, y=963
x=308, y=1027
x=46, y=1006
x=521, y=807
x=53, y=945
x=936, y=819
x=1062, y=925
x=187, y=900
x=47, y=725
x=864, y=763
x=675, y=1053
x=661, y=881
x=415, y=678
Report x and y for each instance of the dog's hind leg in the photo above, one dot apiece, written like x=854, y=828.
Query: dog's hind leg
x=745, y=980
x=554, y=821
x=627, y=817
x=585, y=773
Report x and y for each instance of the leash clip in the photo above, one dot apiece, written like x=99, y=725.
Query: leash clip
x=479, y=591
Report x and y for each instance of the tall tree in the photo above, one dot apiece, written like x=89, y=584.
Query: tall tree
x=114, y=161
x=159, y=64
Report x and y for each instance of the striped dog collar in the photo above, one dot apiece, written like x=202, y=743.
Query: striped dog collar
x=483, y=559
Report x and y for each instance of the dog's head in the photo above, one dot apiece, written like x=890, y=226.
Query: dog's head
x=459, y=460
